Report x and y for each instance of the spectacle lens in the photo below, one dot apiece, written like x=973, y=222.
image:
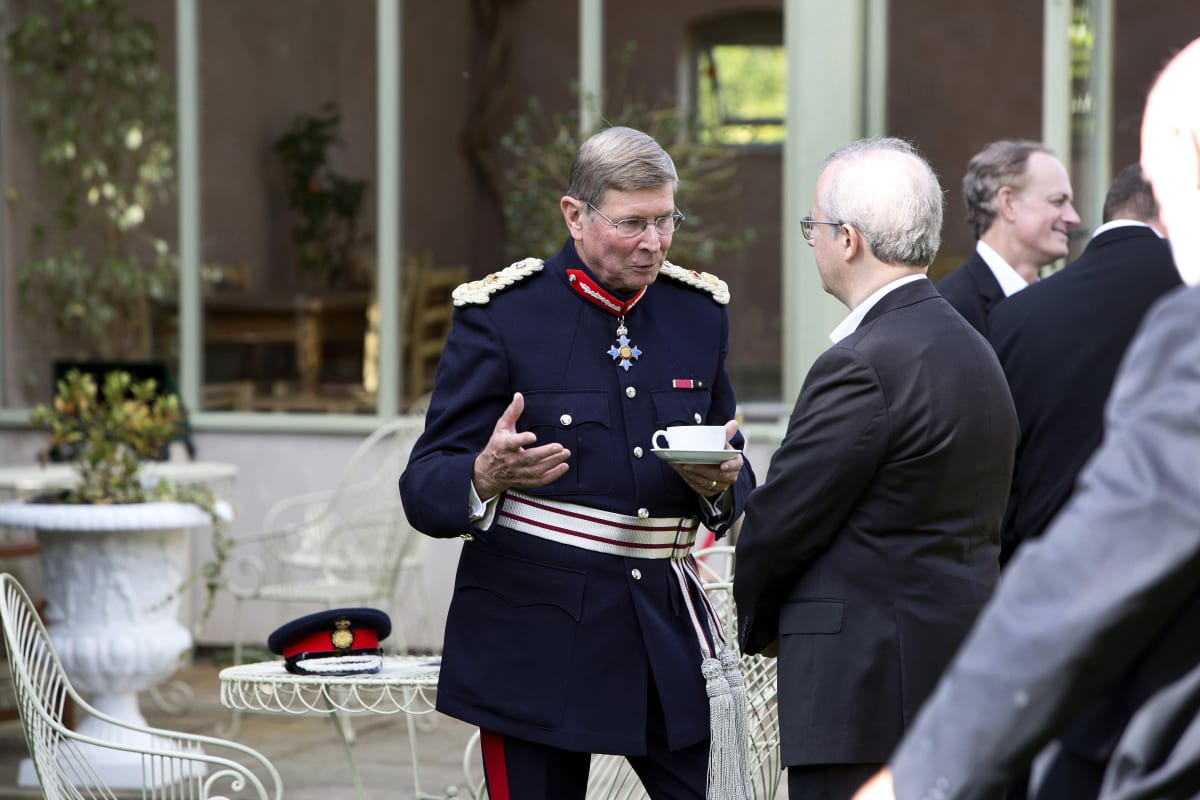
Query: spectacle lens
x=806, y=228
x=636, y=226
x=808, y=224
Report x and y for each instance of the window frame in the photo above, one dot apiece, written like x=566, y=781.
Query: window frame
x=742, y=29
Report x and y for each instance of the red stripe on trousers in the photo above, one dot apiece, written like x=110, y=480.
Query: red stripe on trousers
x=494, y=769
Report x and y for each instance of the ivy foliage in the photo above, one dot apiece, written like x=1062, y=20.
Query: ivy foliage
x=103, y=116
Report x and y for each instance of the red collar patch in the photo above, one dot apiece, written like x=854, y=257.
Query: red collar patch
x=598, y=295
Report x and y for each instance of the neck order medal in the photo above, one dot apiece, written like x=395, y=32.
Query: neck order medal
x=622, y=351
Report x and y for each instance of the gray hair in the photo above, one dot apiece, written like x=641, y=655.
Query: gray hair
x=1001, y=163
x=619, y=158
x=886, y=190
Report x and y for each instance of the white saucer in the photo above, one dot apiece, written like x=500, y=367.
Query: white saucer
x=694, y=456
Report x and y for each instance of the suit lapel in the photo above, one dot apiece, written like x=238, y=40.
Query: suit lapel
x=985, y=281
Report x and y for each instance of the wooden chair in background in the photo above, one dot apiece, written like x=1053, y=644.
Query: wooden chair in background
x=308, y=324
x=428, y=311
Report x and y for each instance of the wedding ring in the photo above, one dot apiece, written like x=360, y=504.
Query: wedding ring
x=712, y=485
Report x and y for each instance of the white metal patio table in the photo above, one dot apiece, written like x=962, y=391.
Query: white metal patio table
x=406, y=685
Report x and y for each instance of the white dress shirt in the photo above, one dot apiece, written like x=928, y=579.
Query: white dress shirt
x=850, y=324
x=1009, y=279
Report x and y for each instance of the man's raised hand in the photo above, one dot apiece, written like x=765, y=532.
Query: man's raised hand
x=510, y=461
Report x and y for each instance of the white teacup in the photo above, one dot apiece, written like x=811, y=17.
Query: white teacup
x=690, y=437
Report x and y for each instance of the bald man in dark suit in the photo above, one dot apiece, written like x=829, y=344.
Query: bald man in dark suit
x=874, y=542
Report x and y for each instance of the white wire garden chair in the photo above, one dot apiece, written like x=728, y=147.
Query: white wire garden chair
x=611, y=777
x=170, y=764
x=346, y=546
x=349, y=545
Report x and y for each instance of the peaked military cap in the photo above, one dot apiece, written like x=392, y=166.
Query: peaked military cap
x=340, y=641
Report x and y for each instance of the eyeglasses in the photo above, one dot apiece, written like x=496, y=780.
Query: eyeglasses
x=636, y=226
x=806, y=226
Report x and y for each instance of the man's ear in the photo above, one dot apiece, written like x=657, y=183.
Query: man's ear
x=572, y=211
x=1005, y=199
x=851, y=241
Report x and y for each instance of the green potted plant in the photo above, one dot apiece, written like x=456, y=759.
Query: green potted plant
x=326, y=207
x=87, y=78
x=107, y=433
x=114, y=547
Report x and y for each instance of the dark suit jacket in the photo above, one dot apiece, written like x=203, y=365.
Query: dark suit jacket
x=972, y=289
x=1060, y=342
x=1112, y=590
x=874, y=541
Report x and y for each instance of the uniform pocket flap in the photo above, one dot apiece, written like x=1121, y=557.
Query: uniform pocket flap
x=523, y=583
x=812, y=616
x=676, y=407
x=558, y=409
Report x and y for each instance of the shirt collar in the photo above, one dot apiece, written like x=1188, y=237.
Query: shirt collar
x=1008, y=278
x=1122, y=223
x=850, y=324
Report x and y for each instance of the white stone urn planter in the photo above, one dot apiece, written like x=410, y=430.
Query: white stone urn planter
x=112, y=574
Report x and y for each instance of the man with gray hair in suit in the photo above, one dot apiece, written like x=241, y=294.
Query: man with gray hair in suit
x=874, y=542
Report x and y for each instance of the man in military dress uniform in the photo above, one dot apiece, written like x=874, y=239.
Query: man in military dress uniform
x=577, y=625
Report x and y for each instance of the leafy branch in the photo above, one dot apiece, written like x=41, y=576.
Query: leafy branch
x=542, y=146
x=326, y=206
x=102, y=111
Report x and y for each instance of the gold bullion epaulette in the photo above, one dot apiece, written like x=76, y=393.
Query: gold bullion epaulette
x=705, y=281
x=480, y=292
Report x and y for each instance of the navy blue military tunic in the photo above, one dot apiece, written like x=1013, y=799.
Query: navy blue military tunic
x=545, y=641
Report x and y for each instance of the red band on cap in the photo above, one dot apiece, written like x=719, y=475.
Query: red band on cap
x=319, y=642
